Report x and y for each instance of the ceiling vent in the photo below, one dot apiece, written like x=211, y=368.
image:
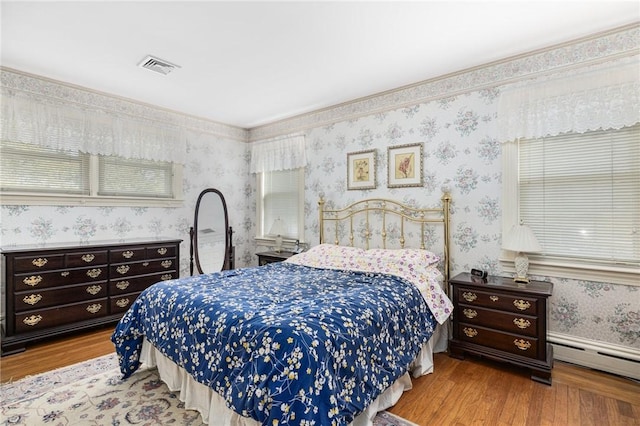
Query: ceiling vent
x=157, y=65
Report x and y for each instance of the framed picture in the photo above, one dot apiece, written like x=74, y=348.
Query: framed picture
x=405, y=165
x=361, y=170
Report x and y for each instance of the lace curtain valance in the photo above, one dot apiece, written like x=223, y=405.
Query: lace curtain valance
x=280, y=154
x=70, y=127
x=605, y=96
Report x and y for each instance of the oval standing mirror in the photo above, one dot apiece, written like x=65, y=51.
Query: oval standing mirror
x=210, y=235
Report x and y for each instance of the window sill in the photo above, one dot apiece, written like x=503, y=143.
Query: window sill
x=623, y=274
x=86, y=201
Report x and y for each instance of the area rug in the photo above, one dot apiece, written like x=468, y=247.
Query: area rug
x=92, y=393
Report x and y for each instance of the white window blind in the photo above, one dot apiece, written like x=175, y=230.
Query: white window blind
x=580, y=193
x=135, y=178
x=35, y=169
x=281, y=198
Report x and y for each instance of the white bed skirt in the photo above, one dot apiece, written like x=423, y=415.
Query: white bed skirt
x=214, y=411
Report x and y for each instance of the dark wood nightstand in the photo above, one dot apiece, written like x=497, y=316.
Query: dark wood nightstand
x=502, y=320
x=273, y=256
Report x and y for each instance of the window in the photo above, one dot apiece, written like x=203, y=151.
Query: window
x=281, y=196
x=580, y=194
x=31, y=174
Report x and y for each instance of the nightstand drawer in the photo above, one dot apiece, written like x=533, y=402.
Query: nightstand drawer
x=505, y=321
x=507, y=342
x=497, y=300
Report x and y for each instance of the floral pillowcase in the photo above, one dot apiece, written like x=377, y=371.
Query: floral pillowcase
x=417, y=266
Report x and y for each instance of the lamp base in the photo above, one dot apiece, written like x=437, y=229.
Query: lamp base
x=521, y=263
x=522, y=280
x=278, y=241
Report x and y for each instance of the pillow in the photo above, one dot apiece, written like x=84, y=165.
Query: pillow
x=331, y=256
x=423, y=257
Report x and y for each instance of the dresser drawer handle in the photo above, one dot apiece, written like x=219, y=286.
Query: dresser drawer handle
x=166, y=263
x=33, y=280
x=122, y=285
x=522, y=344
x=162, y=251
x=494, y=298
x=88, y=258
x=523, y=305
x=94, y=273
x=64, y=274
x=94, y=289
x=166, y=277
x=127, y=254
x=470, y=332
x=32, y=299
x=469, y=297
x=94, y=308
x=122, y=269
x=39, y=262
x=522, y=323
x=145, y=264
x=32, y=320
x=470, y=313
x=121, y=303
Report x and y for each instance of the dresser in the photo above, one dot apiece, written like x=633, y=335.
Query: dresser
x=273, y=256
x=502, y=320
x=65, y=288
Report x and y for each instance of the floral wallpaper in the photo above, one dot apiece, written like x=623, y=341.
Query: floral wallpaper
x=454, y=119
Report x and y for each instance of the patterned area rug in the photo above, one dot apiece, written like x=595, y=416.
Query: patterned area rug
x=92, y=393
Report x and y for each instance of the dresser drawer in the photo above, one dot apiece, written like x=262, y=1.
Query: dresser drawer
x=127, y=254
x=45, y=318
x=121, y=303
x=87, y=258
x=496, y=300
x=161, y=251
x=38, y=262
x=506, y=321
x=30, y=300
x=137, y=284
x=141, y=268
x=24, y=282
x=507, y=342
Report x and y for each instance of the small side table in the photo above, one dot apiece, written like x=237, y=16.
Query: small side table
x=273, y=256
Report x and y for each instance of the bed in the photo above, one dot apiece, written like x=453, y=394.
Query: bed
x=330, y=336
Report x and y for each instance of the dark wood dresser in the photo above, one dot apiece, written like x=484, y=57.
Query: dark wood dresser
x=65, y=288
x=502, y=320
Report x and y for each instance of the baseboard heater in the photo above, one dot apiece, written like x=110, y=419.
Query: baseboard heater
x=621, y=360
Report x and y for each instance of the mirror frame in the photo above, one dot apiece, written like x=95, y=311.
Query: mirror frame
x=194, y=233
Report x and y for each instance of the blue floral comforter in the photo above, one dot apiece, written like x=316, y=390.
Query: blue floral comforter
x=283, y=343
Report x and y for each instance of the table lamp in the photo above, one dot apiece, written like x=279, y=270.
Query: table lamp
x=522, y=240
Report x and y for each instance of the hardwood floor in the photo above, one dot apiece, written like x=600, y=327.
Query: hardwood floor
x=470, y=392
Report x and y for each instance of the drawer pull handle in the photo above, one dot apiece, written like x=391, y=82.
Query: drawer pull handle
x=32, y=299
x=470, y=332
x=88, y=258
x=32, y=280
x=523, y=305
x=39, y=262
x=162, y=251
x=166, y=277
x=122, y=302
x=469, y=297
x=522, y=323
x=32, y=320
x=64, y=274
x=145, y=264
x=166, y=263
x=522, y=344
x=122, y=269
x=127, y=254
x=470, y=313
x=94, y=289
x=94, y=308
x=94, y=273
x=494, y=298
x=122, y=285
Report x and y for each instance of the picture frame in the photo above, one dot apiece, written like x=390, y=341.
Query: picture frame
x=404, y=163
x=361, y=170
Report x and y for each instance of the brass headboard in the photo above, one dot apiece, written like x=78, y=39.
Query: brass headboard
x=385, y=210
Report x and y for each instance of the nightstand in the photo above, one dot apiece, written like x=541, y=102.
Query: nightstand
x=502, y=320
x=273, y=256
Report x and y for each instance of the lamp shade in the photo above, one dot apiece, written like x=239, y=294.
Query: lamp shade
x=521, y=239
x=277, y=228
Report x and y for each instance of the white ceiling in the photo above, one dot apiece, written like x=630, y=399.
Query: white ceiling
x=252, y=63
